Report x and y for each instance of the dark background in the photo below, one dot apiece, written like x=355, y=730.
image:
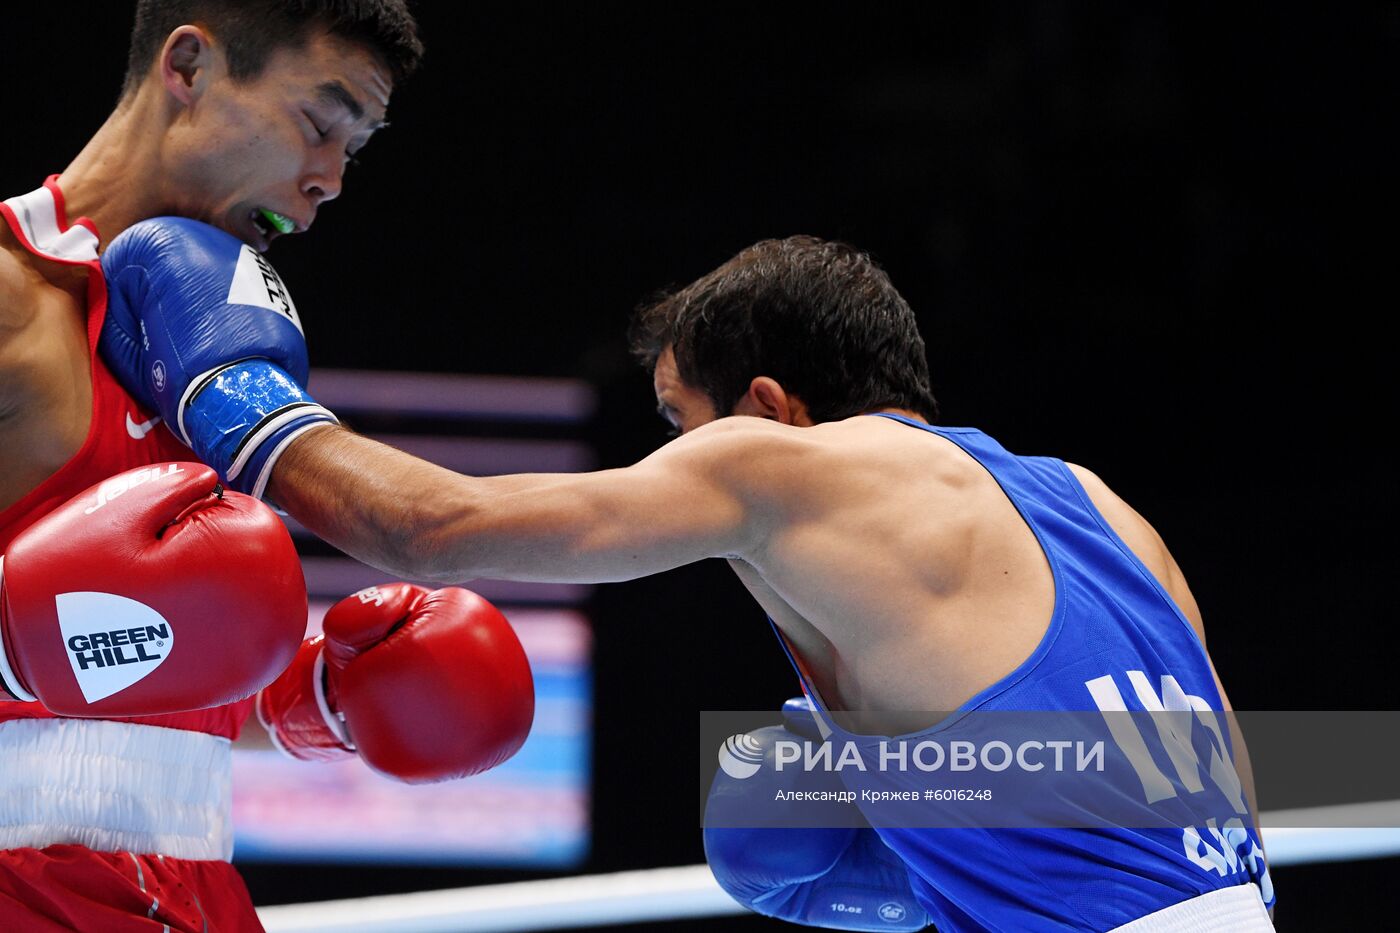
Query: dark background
x=1155, y=241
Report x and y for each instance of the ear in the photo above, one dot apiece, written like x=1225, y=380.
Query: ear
x=767, y=399
x=186, y=61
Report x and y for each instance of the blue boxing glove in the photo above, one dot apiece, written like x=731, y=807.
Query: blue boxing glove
x=200, y=328
x=841, y=878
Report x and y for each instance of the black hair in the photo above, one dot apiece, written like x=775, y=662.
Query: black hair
x=820, y=317
x=251, y=30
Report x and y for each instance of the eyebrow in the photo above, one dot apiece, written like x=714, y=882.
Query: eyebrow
x=335, y=94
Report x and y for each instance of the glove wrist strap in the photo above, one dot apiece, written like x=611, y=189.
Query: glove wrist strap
x=334, y=721
x=297, y=710
x=240, y=418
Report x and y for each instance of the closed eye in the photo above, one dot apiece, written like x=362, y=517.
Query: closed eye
x=315, y=126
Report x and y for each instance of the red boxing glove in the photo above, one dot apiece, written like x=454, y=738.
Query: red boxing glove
x=152, y=592
x=426, y=686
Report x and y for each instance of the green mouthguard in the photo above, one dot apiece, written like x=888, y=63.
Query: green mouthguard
x=279, y=223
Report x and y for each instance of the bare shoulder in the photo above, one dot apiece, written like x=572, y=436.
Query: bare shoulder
x=1144, y=541
x=778, y=472
x=740, y=452
x=737, y=442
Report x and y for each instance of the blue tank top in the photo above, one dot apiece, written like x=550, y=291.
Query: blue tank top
x=1116, y=642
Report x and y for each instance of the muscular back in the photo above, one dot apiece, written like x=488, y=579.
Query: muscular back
x=45, y=383
x=903, y=576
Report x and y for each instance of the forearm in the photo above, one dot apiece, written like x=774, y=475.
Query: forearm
x=417, y=520
x=375, y=503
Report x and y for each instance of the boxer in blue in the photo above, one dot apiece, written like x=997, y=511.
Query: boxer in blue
x=906, y=567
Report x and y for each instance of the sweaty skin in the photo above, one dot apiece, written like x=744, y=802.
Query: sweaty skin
x=190, y=142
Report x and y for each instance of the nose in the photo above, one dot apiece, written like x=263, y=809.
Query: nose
x=323, y=179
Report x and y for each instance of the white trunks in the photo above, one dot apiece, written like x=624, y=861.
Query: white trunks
x=115, y=786
x=1230, y=910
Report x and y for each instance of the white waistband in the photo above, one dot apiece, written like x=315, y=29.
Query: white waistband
x=115, y=786
x=1229, y=910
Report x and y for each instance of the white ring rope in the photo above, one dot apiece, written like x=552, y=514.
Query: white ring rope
x=690, y=891
x=581, y=901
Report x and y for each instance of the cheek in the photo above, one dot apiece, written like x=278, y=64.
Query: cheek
x=241, y=144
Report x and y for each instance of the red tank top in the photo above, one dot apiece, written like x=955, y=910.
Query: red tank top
x=122, y=434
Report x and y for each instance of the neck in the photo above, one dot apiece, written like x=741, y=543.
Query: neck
x=116, y=180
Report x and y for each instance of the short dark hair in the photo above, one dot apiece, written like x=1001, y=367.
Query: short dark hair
x=819, y=317
x=251, y=30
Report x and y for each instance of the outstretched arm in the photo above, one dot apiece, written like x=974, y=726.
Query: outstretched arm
x=200, y=325
x=694, y=498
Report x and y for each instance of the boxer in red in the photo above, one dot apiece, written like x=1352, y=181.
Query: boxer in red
x=242, y=115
